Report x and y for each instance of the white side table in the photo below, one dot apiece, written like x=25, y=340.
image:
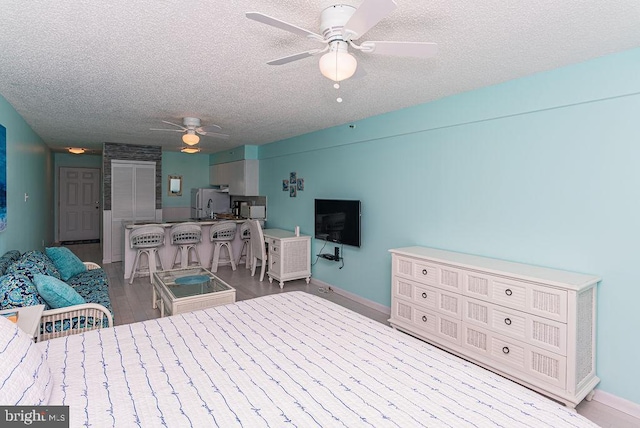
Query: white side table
x=289, y=255
x=28, y=319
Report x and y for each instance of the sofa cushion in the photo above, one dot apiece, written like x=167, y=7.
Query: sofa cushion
x=92, y=285
x=34, y=262
x=55, y=292
x=17, y=290
x=25, y=375
x=7, y=260
x=67, y=263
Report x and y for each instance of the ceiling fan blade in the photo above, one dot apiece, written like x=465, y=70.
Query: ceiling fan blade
x=411, y=49
x=215, y=135
x=174, y=124
x=295, y=57
x=366, y=16
x=266, y=19
x=208, y=128
x=172, y=130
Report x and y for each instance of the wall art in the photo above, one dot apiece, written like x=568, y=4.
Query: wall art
x=285, y=185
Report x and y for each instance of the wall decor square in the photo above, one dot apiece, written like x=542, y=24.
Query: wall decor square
x=292, y=191
x=292, y=177
x=285, y=185
x=300, y=183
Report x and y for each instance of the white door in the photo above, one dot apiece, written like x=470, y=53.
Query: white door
x=79, y=204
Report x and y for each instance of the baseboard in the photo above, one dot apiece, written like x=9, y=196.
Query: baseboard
x=615, y=402
x=366, y=302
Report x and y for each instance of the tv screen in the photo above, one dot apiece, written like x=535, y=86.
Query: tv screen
x=338, y=220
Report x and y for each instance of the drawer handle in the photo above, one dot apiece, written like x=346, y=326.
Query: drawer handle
x=424, y=318
x=507, y=321
x=424, y=271
x=424, y=295
x=508, y=292
x=505, y=350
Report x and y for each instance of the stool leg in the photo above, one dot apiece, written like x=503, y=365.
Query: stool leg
x=135, y=266
x=214, y=258
x=247, y=262
x=175, y=256
x=233, y=262
x=152, y=263
x=195, y=250
x=184, y=256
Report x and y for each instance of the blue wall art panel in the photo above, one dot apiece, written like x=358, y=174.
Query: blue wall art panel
x=3, y=178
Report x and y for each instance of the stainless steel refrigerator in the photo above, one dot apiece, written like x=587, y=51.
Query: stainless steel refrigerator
x=206, y=201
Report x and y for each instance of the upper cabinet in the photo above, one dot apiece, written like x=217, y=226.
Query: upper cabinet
x=240, y=176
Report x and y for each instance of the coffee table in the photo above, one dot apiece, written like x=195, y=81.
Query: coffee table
x=185, y=290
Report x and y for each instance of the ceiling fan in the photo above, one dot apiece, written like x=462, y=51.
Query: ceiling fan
x=340, y=26
x=191, y=129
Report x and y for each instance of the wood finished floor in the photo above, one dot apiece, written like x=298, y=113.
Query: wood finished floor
x=132, y=303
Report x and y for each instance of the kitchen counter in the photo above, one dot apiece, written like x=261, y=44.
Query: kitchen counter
x=129, y=224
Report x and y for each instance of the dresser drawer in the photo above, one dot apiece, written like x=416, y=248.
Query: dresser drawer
x=411, y=290
x=426, y=272
x=535, y=299
x=538, y=331
x=426, y=321
x=513, y=356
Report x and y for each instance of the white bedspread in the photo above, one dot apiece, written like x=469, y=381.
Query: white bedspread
x=291, y=359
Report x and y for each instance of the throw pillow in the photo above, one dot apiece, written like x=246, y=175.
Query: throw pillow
x=17, y=290
x=33, y=262
x=67, y=263
x=56, y=293
x=25, y=375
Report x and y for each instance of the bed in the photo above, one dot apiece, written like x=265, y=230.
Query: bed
x=291, y=359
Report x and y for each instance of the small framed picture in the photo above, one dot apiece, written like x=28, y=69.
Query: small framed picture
x=285, y=185
x=292, y=191
x=300, y=183
x=292, y=177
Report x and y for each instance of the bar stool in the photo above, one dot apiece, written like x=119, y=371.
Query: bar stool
x=186, y=236
x=146, y=240
x=245, y=234
x=222, y=234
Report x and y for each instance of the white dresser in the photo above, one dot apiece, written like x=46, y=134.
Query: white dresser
x=531, y=324
x=289, y=255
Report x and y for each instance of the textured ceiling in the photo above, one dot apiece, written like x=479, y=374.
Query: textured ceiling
x=84, y=72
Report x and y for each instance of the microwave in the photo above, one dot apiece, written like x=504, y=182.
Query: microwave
x=252, y=211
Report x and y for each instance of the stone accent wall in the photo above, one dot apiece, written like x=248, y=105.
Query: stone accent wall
x=130, y=152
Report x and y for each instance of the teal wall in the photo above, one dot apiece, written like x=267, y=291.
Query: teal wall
x=29, y=170
x=541, y=170
x=71, y=161
x=194, y=169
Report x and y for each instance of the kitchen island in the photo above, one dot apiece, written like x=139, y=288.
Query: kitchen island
x=168, y=251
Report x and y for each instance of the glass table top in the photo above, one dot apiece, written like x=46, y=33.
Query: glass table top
x=190, y=282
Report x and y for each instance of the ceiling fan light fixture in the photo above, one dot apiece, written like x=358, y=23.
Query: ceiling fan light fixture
x=338, y=64
x=76, y=150
x=190, y=149
x=190, y=138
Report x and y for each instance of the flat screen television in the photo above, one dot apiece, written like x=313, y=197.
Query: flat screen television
x=338, y=220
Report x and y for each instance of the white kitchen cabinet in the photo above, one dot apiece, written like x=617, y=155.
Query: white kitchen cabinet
x=533, y=325
x=241, y=176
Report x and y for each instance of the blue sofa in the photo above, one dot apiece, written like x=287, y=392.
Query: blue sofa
x=17, y=289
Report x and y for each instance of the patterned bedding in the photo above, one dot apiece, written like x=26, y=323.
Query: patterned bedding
x=291, y=359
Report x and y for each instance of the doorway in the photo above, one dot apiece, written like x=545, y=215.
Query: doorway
x=79, y=205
